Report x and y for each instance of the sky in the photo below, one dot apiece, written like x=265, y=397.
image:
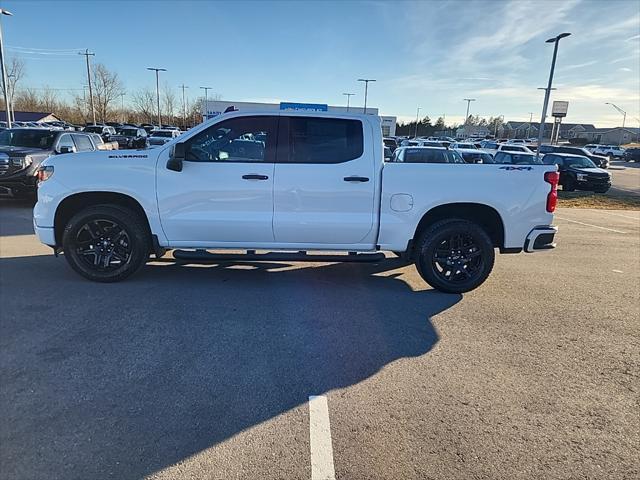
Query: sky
x=427, y=54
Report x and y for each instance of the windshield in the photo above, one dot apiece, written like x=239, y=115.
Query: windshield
x=127, y=132
x=93, y=129
x=472, y=157
x=579, y=162
x=517, y=158
x=161, y=134
x=432, y=155
x=42, y=139
x=470, y=146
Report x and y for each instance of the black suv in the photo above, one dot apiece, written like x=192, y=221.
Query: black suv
x=22, y=150
x=577, y=172
x=599, y=160
x=632, y=154
x=105, y=131
x=130, y=137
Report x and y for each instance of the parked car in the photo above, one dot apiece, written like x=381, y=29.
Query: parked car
x=189, y=196
x=516, y=158
x=100, y=144
x=507, y=147
x=599, y=160
x=160, y=137
x=489, y=145
x=391, y=143
x=465, y=145
x=577, y=172
x=611, y=151
x=475, y=156
x=426, y=155
x=632, y=154
x=419, y=142
x=129, y=137
x=519, y=141
x=388, y=154
x=148, y=127
x=22, y=150
x=105, y=131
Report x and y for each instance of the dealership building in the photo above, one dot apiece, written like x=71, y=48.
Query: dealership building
x=216, y=107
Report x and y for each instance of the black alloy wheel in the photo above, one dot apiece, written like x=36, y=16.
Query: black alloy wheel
x=454, y=255
x=106, y=243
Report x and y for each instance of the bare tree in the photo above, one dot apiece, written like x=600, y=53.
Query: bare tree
x=168, y=103
x=106, y=90
x=144, y=103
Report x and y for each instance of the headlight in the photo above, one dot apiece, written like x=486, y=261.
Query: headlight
x=44, y=173
x=581, y=177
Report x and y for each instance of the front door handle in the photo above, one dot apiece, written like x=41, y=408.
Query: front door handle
x=254, y=176
x=355, y=178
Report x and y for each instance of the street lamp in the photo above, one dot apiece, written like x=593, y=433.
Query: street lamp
x=547, y=92
x=4, y=71
x=12, y=92
x=206, y=101
x=415, y=135
x=466, y=118
x=624, y=117
x=348, y=95
x=158, y=70
x=122, y=94
x=366, y=86
x=529, y=129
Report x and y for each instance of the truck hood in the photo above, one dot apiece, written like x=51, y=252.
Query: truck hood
x=598, y=172
x=22, y=151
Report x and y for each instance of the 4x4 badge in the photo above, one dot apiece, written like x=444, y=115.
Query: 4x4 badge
x=516, y=168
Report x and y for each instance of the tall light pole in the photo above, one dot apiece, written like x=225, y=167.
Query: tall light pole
x=122, y=94
x=366, y=89
x=12, y=93
x=624, y=117
x=547, y=92
x=415, y=135
x=184, y=108
x=88, y=54
x=206, y=101
x=158, y=70
x=4, y=70
x=468, y=100
x=348, y=95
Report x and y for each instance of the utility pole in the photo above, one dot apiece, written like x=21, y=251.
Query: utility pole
x=184, y=108
x=122, y=105
x=349, y=95
x=415, y=135
x=529, y=129
x=206, y=101
x=366, y=87
x=466, y=117
x=158, y=70
x=547, y=91
x=4, y=70
x=12, y=92
x=88, y=54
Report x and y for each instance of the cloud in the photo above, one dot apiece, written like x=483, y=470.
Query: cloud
x=624, y=69
x=580, y=65
x=635, y=37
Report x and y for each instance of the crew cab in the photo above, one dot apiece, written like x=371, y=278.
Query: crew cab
x=314, y=182
x=22, y=150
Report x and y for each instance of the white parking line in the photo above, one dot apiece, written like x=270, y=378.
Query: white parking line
x=320, y=436
x=617, y=215
x=590, y=225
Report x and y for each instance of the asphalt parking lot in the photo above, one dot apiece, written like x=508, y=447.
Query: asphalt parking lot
x=625, y=177
x=206, y=371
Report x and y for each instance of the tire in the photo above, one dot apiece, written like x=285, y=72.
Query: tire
x=569, y=185
x=468, y=271
x=106, y=243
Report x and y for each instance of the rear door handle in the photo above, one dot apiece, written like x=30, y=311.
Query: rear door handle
x=355, y=178
x=254, y=176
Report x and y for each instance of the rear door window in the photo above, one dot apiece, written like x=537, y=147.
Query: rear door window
x=320, y=140
x=83, y=143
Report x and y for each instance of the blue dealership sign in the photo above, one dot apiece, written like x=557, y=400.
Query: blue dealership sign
x=316, y=107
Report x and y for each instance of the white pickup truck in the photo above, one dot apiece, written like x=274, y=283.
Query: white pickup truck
x=290, y=182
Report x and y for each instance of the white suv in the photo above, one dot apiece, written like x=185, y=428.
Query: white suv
x=611, y=151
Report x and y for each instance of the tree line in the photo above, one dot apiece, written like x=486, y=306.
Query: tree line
x=108, y=91
x=425, y=127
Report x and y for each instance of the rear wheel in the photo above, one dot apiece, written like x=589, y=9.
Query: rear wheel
x=454, y=256
x=106, y=243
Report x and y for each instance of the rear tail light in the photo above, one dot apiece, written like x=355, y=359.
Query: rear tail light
x=44, y=173
x=552, y=196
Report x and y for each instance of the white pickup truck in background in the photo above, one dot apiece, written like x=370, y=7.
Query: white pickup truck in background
x=290, y=182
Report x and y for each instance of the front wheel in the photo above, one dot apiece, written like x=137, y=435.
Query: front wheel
x=455, y=256
x=106, y=243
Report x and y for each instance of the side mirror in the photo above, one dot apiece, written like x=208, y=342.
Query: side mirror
x=176, y=158
x=66, y=149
